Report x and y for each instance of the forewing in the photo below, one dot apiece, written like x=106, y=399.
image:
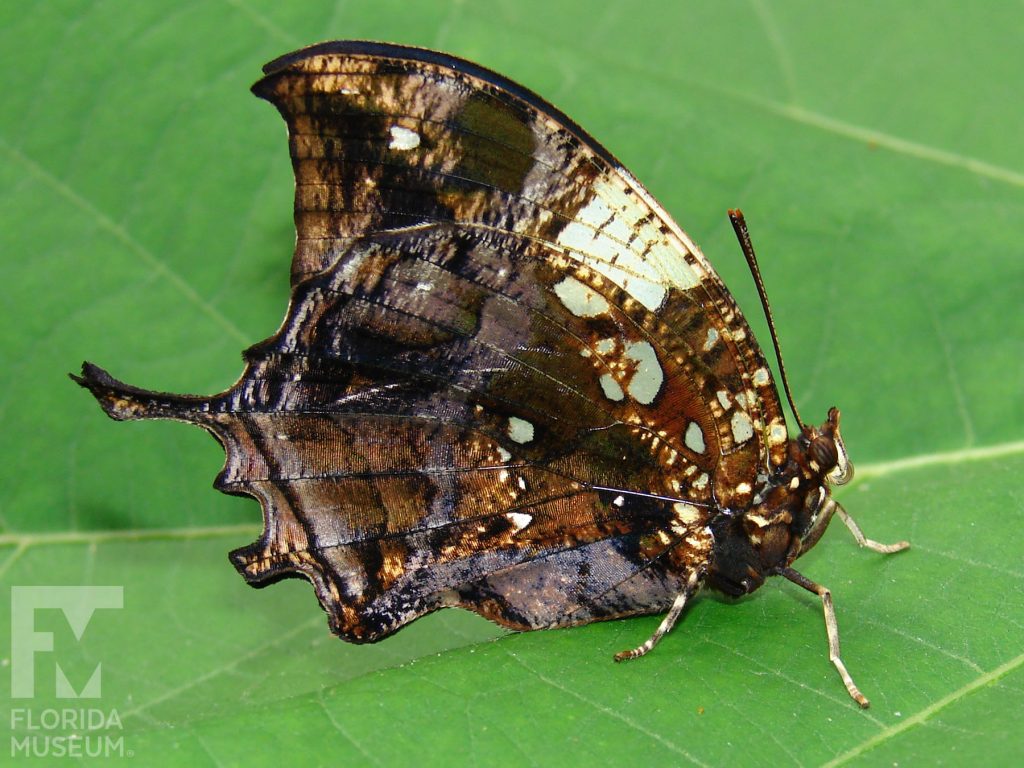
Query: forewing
x=386, y=137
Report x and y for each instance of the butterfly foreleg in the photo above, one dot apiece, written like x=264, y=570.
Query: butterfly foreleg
x=863, y=541
x=667, y=623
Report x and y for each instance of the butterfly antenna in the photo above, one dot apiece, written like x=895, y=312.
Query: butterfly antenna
x=743, y=235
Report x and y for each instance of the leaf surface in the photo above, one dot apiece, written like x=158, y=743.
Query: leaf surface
x=147, y=226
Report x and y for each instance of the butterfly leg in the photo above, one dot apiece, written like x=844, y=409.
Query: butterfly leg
x=871, y=544
x=666, y=624
x=832, y=628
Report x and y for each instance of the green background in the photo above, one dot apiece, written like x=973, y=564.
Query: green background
x=146, y=225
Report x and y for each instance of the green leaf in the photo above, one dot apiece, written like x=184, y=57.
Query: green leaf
x=873, y=147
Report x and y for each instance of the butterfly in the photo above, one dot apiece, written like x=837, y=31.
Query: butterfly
x=507, y=381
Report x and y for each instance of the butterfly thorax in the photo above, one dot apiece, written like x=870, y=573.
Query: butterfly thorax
x=787, y=516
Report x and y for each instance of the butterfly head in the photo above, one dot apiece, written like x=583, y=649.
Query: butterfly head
x=823, y=462
x=826, y=453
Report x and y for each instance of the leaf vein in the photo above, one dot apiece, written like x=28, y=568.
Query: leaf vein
x=105, y=222
x=921, y=717
x=281, y=639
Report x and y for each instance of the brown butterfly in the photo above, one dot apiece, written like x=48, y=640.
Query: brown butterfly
x=507, y=380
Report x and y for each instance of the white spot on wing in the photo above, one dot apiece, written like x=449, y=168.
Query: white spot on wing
x=686, y=514
x=612, y=236
x=648, y=378
x=403, y=138
x=519, y=519
x=777, y=434
x=580, y=299
x=503, y=454
x=712, y=337
x=742, y=427
x=723, y=398
x=760, y=377
x=611, y=388
x=520, y=430
x=694, y=438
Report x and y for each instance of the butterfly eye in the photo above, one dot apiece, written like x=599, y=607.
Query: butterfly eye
x=843, y=471
x=824, y=452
